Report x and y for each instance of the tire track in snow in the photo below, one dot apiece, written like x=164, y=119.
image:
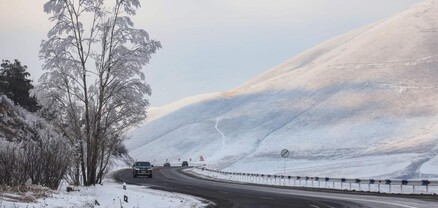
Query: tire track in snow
x=220, y=132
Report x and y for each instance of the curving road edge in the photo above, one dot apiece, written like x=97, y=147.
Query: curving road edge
x=228, y=194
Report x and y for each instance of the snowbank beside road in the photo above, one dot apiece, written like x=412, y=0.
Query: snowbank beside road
x=110, y=194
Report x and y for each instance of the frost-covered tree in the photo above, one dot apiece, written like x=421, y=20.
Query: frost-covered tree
x=94, y=56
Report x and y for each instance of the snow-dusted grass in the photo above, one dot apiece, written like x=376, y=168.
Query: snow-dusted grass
x=110, y=195
x=23, y=194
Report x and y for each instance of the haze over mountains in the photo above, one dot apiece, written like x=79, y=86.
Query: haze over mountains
x=363, y=104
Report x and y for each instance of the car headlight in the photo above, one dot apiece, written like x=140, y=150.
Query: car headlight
x=136, y=168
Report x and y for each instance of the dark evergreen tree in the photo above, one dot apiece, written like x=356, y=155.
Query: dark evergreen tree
x=16, y=86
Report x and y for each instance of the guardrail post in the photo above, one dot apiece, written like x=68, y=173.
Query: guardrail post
x=389, y=184
x=413, y=189
x=426, y=183
x=358, y=182
x=371, y=181
x=350, y=186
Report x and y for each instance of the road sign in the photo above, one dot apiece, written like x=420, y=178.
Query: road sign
x=285, y=153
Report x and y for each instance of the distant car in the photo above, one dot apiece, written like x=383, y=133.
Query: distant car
x=142, y=168
x=166, y=164
x=185, y=163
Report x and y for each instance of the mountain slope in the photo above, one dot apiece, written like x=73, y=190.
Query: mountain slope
x=364, y=103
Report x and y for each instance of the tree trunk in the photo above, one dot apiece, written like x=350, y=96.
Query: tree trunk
x=84, y=173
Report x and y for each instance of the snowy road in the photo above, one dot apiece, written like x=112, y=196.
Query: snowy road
x=245, y=195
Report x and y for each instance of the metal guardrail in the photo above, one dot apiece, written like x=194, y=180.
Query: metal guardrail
x=373, y=185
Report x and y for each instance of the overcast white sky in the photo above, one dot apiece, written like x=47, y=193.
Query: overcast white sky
x=208, y=45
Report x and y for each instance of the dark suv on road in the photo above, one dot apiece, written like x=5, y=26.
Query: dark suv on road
x=185, y=163
x=142, y=168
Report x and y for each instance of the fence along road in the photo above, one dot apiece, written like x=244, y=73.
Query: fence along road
x=226, y=194
x=414, y=186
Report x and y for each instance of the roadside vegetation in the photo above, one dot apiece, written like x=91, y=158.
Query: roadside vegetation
x=71, y=124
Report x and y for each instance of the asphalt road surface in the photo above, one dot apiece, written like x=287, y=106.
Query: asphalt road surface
x=225, y=194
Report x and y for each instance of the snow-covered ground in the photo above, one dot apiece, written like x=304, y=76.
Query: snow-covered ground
x=110, y=194
x=363, y=104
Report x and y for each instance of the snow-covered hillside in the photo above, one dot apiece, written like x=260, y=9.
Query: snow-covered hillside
x=363, y=104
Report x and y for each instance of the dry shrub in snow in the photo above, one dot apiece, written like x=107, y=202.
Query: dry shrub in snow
x=34, y=151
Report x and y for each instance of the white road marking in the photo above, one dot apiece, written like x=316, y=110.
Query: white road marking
x=367, y=200
x=314, y=206
x=161, y=170
x=326, y=205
